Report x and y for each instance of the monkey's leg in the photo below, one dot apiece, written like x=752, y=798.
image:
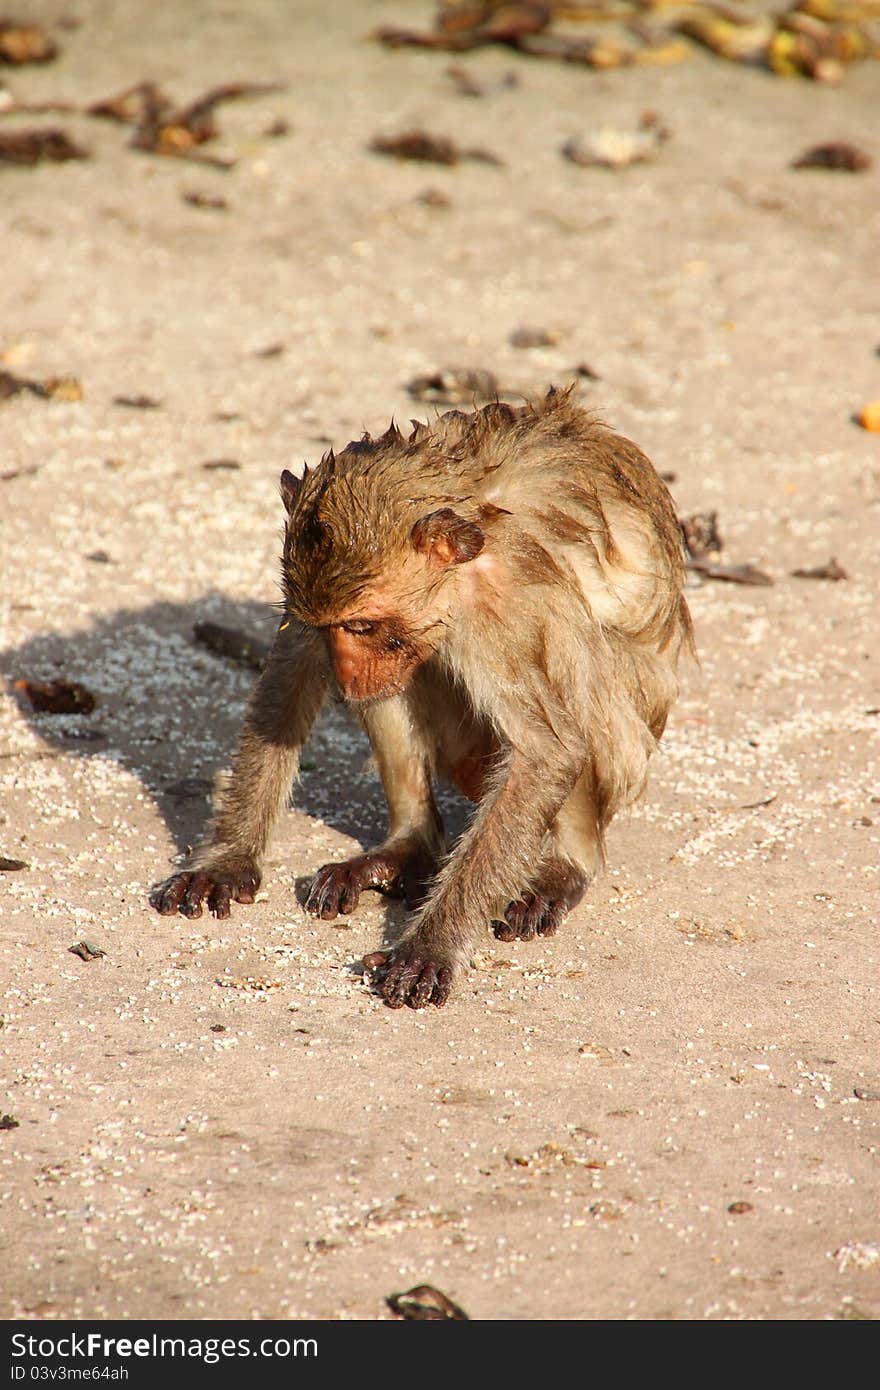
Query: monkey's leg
x=499, y=851
x=283, y=707
x=571, y=859
x=406, y=861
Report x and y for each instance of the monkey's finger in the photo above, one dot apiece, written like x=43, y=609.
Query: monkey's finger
x=536, y=907
x=316, y=895
x=553, y=918
x=220, y=899
x=165, y=897
x=399, y=981
x=246, y=890
x=442, y=988
x=516, y=917
x=191, y=904
x=321, y=900
x=387, y=986
x=349, y=897
x=376, y=959
x=423, y=989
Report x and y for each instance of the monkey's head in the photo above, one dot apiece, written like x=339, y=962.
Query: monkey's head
x=369, y=554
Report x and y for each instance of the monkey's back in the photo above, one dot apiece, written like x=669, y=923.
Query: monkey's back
x=585, y=509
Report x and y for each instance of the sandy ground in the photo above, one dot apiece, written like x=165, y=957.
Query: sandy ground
x=218, y=1119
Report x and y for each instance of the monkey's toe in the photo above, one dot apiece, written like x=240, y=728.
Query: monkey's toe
x=530, y=916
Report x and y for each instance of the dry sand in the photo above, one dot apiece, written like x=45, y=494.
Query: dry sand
x=218, y=1119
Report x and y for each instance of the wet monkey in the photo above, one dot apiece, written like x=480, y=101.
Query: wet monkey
x=498, y=599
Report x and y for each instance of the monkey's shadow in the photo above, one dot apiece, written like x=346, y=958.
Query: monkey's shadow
x=168, y=711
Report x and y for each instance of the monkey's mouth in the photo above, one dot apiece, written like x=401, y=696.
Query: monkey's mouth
x=356, y=694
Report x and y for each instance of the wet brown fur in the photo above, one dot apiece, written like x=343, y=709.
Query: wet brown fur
x=499, y=594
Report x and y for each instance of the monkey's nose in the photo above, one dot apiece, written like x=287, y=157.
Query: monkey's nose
x=345, y=664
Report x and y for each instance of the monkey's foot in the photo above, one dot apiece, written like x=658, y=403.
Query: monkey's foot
x=186, y=892
x=408, y=976
x=540, y=913
x=400, y=872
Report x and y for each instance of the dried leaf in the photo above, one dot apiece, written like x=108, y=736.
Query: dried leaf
x=534, y=337
x=837, y=155
x=429, y=149
x=739, y=39
x=58, y=696
x=417, y=144
x=25, y=43
x=8, y=1122
x=12, y=866
x=160, y=128
x=830, y=570
x=425, y=1303
x=454, y=385
x=197, y=199
x=63, y=388
x=461, y=27
x=34, y=146
x=731, y=574
x=222, y=465
x=137, y=402
x=136, y=105
x=700, y=534
x=87, y=950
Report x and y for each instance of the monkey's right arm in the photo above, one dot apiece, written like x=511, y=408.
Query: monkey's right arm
x=407, y=859
x=283, y=707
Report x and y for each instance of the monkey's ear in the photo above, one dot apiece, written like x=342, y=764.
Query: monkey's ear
x=447, y=538
x=290, y=489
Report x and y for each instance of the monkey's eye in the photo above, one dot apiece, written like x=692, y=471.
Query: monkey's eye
x=394, y=644
x=359, y=626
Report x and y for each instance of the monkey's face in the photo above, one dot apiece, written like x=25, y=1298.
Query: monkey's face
x=372, y=658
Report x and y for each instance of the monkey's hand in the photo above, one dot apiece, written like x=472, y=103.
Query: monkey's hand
x=409, y=976
x=218, y=885
x=402, y=871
